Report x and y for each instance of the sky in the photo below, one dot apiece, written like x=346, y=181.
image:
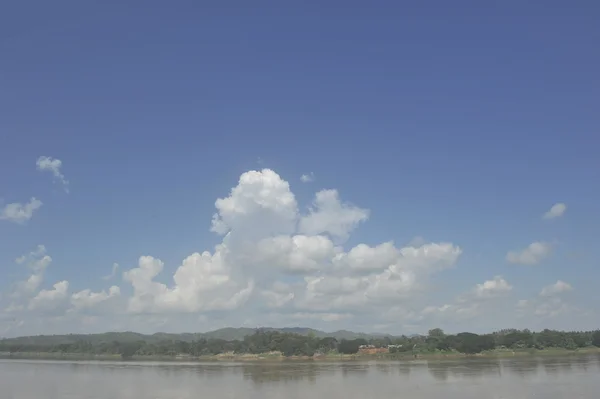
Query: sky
x=378, y=167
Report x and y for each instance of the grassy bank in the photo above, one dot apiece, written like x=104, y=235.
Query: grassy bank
x=275, y=356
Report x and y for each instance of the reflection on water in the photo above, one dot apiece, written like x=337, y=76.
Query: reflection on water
x=469, y=369
x=569, y=377
x=527, y=367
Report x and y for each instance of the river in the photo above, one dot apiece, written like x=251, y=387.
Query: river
x=569, y=377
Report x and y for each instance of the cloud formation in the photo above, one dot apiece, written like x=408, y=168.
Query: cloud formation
x=329, y=215
x=492, y=288
x=113, y=272
x=53, y=165
x=20, y=213
x=477, y=302
x=557, y=288
x=37, y=261
x=86, y=299
x=50, y=299
x=276, y=265
x=532, y=255
x=557, y=210
x=307, y=177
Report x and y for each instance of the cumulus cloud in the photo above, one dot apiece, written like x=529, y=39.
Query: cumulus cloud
x=20, y=213
x=557, y=288
x=557, y=210
x=395, y=279
x=113, y=273
x=87, y=299
x=50, y=299
x=272, y=259
x=52, y=165
x=36, y=261
x=492, y=288
x=32, y=256
x=364, y=258
x=298, y=253
x=307, y=177
x=276, y=265
x=266, y=238
x=261, y=204
x=330, y=216
x=203, y=282
x=532, y=255
x=455, y=311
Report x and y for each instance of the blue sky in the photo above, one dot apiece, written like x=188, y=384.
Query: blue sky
x=447, y=129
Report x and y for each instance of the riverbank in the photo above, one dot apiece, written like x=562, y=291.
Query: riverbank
x=497, y=353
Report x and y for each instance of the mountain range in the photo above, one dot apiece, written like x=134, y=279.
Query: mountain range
x=228, y=334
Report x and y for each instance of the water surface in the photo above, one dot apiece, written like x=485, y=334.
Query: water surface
x=571, y=377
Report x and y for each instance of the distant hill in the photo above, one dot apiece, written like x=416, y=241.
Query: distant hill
x=228, y=334
x=239, y=333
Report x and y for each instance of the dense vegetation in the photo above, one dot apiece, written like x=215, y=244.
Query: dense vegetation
x=263, y=341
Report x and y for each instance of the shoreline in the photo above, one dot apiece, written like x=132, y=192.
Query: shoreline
x=502, y=353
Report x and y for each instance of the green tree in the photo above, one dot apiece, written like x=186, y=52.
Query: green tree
x=127, y=350
x=436, y=333
x=351, y=346
x=436, y=339
x=327, y=344
x=470, y=343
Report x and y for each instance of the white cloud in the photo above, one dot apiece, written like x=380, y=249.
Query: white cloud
x=531, y=255
x=261, y=204
x=492, y=288
x=34, y=257
x=18, y=212
x=557, y=210
x=459, y=310
x=87, y=299
x=37, y=261
x=557, y=288
x=298, y=253
x=363, y=258
x=329, y=215
x=307, y=178
x=276, y=265
x=278, y=296
x=384, y=284
x=203, y=282
x=50, y=299
x=479, y=301
x=53, y=166
x=265, y=238
x=31, y=284
x=113, y=272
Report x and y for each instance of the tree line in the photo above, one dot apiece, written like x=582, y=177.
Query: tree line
x=291, y=344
